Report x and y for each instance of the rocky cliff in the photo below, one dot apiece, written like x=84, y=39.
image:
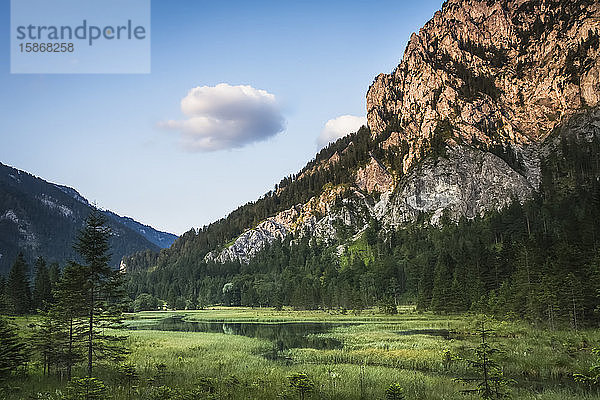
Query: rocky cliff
x=502, y=72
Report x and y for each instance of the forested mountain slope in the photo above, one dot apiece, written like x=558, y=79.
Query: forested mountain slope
x=474, y=186
x=39, y=218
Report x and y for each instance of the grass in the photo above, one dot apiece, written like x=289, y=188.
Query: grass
x=374, y=356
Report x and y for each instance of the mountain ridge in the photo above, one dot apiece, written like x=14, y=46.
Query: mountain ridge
x=41, y=218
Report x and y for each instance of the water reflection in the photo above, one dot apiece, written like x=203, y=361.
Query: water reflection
x=445, y=333
x=283, y=335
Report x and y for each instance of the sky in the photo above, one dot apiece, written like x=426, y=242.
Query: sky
x=240, y=95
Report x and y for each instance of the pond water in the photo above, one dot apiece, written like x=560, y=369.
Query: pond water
x=284, y=335
x=445, y=333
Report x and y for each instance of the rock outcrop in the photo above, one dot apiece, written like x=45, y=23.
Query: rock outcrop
x=467, y=183
x=303, y=219
x=497, y=72
x=374, y=177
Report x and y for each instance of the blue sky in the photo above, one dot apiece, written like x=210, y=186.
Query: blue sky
x=105, y=135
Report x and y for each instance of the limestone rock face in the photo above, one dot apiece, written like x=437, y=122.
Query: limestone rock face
x=374, y=177
x=467, y=183
x=249, y=243
x=302, y=219
x=498, y=71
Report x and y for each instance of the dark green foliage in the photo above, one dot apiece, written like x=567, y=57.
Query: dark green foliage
x=443, y=131
x=67, y=317
x=130, y=376
x=54, y=274
x=2, y=294
x=18, y=291
x=302, y=384
x=388, y=306
x=86, y=389
x=42, y=287
x=495, y=57
x=47, y=342
x=145, y=302
x=394, y=392
x=592, y=378
x=159, y=375
x=473, y=84
x=13, y=351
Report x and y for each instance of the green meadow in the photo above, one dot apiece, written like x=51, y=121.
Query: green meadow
x=376, y=351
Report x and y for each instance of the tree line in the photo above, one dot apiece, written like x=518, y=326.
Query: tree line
x=75, y=305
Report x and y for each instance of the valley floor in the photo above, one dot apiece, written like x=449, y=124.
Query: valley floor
x=378, y=350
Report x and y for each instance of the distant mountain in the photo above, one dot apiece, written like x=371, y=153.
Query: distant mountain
x=161, y=239
x=40, y=218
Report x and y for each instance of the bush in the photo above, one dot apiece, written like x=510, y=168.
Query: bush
x=86, y=389
x=394, y=392
x=302, y=383
x=145, y=302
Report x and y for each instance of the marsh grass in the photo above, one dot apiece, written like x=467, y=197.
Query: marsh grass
x=220, y=366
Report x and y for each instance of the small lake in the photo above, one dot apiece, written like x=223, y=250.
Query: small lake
x=283, y=335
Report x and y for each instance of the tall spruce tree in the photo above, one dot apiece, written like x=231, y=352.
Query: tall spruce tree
x=2, y=294
x=104, y=291
x=13, y=352
x=68, y=314
x=46, y=341
x=54, y=274
x=18, y=291
x=42, y=292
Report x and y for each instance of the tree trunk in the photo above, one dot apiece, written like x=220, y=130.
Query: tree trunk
x=70, y=354
x=91, y=333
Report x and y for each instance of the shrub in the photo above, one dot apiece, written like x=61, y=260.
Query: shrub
x=394, y=392
x=86, y=389
x=302, y=383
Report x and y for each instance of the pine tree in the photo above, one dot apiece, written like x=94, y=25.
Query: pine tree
x=86, y=389
x=490, y=381
x=18, y=292
x=2, y=294
x=104, y=291
x=54, y=274
x=13, y=352
x=69, y=315
x=592, y=378
x=302, y=383
x=42, y=294
x=46, y=341
x=394, y=392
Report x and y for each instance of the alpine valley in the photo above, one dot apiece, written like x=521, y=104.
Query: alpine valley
x=475, y=185
x=448, y=249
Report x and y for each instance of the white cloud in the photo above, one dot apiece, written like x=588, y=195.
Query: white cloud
x=225, y=117
x=339, y=127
